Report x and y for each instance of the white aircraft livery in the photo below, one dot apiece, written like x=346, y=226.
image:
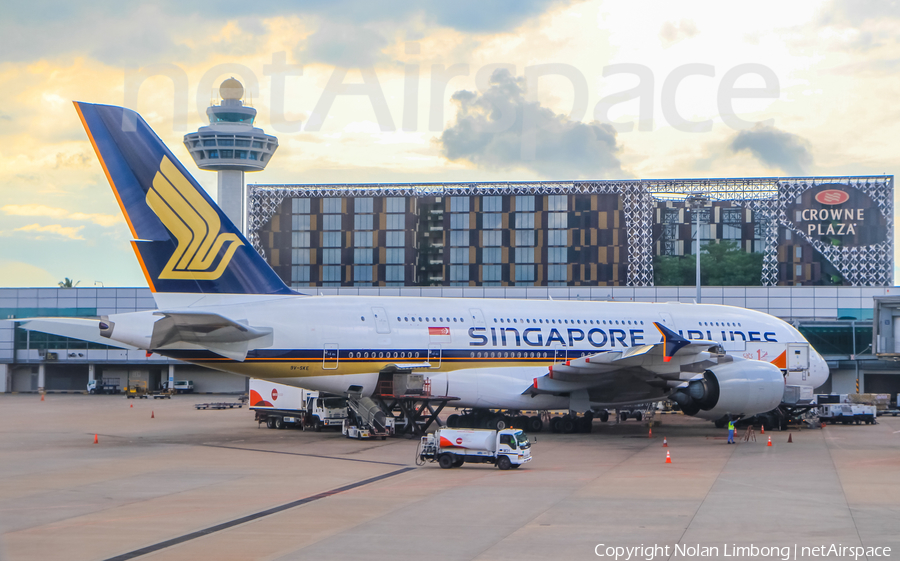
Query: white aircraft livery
x=221, y=306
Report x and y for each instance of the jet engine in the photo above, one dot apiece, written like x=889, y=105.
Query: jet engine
x=738, y=388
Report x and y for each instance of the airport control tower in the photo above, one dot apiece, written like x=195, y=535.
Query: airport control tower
x=231, y=145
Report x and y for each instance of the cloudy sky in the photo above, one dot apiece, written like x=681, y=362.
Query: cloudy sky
x=426, y=91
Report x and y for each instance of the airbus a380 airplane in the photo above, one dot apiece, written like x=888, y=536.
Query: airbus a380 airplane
x=221, y=306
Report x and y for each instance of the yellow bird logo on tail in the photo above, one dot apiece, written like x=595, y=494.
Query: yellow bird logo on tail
x=194, y=223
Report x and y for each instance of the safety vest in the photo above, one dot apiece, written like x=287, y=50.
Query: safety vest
x=730, y=425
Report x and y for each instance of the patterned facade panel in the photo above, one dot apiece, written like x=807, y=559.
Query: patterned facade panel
x=604, y=246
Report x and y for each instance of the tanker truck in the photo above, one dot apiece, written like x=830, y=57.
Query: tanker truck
x=507, y=448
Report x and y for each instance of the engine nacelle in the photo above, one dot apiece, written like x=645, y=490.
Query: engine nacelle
x=738, y=388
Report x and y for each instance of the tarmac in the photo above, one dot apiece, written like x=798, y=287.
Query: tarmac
x=191, y=484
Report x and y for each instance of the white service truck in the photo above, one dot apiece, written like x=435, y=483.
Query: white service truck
x=280, y=406
x=507, y=448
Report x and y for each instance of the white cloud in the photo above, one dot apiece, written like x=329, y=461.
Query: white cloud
x=105, y=220
x=71, y=232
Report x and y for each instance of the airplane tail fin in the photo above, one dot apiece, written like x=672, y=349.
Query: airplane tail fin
x=184, y=242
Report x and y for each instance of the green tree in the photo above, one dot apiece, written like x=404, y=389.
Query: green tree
x=721, y=264
x=68, y=283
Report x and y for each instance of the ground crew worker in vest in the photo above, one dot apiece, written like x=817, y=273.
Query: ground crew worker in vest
x=730, y=431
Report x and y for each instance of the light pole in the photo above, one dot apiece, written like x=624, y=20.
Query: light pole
x=695, y=201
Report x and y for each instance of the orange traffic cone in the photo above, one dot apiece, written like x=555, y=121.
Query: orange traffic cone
x=131, y=406
x=770, y=441
x=152, y=416
x=668, y=457
x=762, y=429
x=665, y=443
x=96, y=440
x=651, y=433
x=42, y=397
x=790, y=439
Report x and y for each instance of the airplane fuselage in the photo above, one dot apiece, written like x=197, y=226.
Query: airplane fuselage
x=484, y=351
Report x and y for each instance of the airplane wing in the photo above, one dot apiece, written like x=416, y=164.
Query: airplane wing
x=208, y=330
x=664, y=361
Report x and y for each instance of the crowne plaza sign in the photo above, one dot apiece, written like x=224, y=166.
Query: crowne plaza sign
x=839, y=215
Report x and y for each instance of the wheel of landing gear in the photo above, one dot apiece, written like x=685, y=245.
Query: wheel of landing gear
x=585, y=424
x=623, y=416
x=453, y=421
x=554, y=424
x=638, y=416
x=568, y=424
x=604, y=416
x=535, y=424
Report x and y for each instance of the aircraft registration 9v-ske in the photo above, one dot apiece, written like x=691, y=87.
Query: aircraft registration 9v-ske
x=221, y=306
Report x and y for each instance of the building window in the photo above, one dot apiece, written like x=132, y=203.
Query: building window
x=331, y=256
x=331, y=273
x=362, y=205
x=459, y=255
x=331, y=239
x=459, y=221
x=798, y=252
x=490, y=255
x=362, y=273
x=557, y=202
x=300, y=222
x=300, y=256
x=330, y=221
x=524, y=273
x=394, y=239
x=396, y=256
x=300, y=273
x=524, y=220
x=300, y=206
x=460, y=237
x=798, y=271
x=670, y=231
x=362, y=222
x=490, y=273
x=396, y=221
x=731, y=232
x=557, y=237
x=524, y=203
x=362, y=256
x=331, y=206
x=492, y=221
x=395, y=273
x=459, y=204
x=557, y=220
x=490, y=239
x=300, y=239
x=557, y=255
x=459, y=272
x=525, y=255
x=395, y=204
x=557, y=273
x=362, y=239
x=524, y=238
x=491, y=204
